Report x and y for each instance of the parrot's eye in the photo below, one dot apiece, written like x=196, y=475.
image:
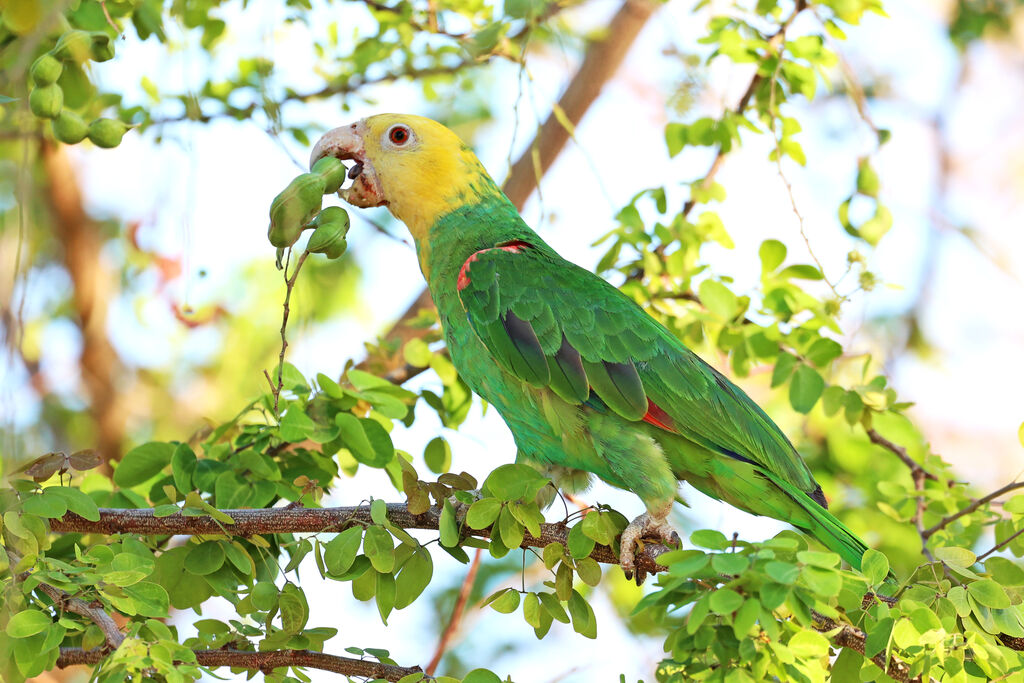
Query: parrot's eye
x=399, y=134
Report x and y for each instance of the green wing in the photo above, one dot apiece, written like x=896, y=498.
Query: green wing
x=553, y=324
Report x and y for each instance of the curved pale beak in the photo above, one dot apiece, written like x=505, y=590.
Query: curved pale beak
x=346, y=143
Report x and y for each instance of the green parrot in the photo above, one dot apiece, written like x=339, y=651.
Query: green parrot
x=585, y=378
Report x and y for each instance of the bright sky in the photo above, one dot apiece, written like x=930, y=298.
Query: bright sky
x=205, y=196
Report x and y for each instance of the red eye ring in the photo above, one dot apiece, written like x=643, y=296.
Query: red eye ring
x=399, y=135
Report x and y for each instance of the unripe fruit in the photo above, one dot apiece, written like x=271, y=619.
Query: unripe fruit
x=46, y=70
x=69, y=127
x=294, y=207
x=46, y=101
x=329, y=236
x=107, y=133
x=74, y=45
x=101, y=48
x=333, y=173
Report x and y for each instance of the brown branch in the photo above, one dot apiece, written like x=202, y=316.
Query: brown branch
x=900, y=452
x=600, y=63
x=1000, y=546
x=264, y=661
x=92, y=290
x=312, y=520
x=460, y=607
x=946, y=521
x=855, y=639
x=64, y=601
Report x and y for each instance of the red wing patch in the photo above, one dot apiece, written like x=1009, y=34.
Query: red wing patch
x=658, y=417
x=513, y=247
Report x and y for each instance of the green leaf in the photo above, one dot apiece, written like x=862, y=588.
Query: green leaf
x=961, y=558
x=507, y=602
x=414, y=578
x=710, y=539
x=589, y=571
x=438, y=455
x=729, y=563
x=989, y=593
x=28, y=623
x=294, y=608
x=45, y=505
x=264, y=596
x=142, y=463
x=482, y=513
x=725, y=601
x=448, y=525
x=340, y=552
x=783, y=572
x=823, y=351
x=583, y=620
x=183, y=466
x=379, y=548
x=77, y=501
x=745, y=618
x=580, y=545
x=772, y=254
x=481, y=676
x=878, y=637
x=514, y=482
x=805, y=388
x=1005, y=572
x=824, y=582
x=510, y=529
x=151, y=600
x=718, y=299
x=875, y=566
x=808, y=644
x=815, y=558
x=205, y=558
x=385, y=592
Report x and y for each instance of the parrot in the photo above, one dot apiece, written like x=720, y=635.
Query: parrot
x=586, y=380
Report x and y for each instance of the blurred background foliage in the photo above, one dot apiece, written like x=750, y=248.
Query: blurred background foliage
x=864, y=256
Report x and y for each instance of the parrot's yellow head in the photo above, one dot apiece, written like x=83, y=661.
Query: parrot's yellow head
x=415, y=166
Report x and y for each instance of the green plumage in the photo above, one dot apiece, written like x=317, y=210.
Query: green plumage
x=574, y=367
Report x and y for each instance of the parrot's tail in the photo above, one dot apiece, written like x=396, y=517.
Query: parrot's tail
x=825, y=527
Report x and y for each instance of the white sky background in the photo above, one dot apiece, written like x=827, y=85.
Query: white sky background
x=209, y=196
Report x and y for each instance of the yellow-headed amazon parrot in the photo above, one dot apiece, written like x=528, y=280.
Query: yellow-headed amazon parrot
x=584, y=378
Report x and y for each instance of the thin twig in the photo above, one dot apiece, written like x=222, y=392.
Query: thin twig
x=264, y=661
x=900, y=452
x=1000, y=546
x=946, y=521
x=289, y=285
x=460, y=606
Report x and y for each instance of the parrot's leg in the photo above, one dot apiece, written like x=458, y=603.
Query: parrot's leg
x=651, y=524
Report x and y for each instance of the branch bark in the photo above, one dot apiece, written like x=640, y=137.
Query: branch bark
x=92, y=290
x=264, y=661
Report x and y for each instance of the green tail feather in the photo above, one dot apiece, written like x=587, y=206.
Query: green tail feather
x=825, y=527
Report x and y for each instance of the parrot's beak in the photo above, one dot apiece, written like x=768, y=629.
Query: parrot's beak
x=346, y=143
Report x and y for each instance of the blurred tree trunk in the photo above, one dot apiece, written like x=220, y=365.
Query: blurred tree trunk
x=93, y=288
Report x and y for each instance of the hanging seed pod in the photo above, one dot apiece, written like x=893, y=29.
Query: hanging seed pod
x=76, y=45
x=329, y=236
x=107, y=133
x=102, y=47
x=46, y=70
x=333, y=173
x=69, y=127
x=294, y=207
x=46, y=101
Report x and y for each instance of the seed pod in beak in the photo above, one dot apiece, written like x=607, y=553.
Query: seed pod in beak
x=333, y=173
x=294, y=208
x=329, y=236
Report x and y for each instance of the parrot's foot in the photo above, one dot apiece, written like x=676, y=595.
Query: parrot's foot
x=644, y=526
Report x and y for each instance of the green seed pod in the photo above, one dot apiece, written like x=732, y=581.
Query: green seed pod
x=69, y=127
x=74, y=45
x=46, y=101
x=102, y=48
x=107, y=133
x=46, y=70
x=329, y=236
x=332, y=171
x=293, y=208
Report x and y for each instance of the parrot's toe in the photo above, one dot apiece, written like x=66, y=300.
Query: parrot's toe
x=645, y=526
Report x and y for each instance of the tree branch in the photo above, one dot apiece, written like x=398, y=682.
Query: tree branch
x=264, y=661
x=855, y=639
x=900, y=452
x=460, y=607
x=946, y=521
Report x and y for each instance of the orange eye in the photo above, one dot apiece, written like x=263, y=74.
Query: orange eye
x=399, y=135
